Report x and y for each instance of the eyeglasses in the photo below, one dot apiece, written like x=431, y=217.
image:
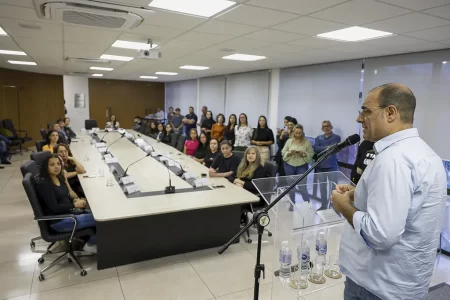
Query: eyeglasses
x=366, y=111
x=326, y=126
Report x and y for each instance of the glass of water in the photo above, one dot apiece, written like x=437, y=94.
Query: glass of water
x=316, y=275
x=110, y=180
x=101, y=172
x=332, y=270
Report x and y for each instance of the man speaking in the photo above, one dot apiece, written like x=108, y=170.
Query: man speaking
x=395, y=214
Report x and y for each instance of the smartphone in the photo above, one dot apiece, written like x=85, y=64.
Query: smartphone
x=218, y=186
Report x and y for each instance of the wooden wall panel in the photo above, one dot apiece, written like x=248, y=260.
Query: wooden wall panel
x=41, y=99
x=126, y=98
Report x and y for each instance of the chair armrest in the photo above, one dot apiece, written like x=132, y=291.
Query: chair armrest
x=61, y=217
x=26, y=133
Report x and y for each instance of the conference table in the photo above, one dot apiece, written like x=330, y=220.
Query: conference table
x=154, y=224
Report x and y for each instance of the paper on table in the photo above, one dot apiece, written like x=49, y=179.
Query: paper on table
x=328, y=215
x=126, y=180
x=188, y=175
x=112, y=160
x=201, y=182
x=132, y=188
x=155, y=154
x=107, y=156
x=100, y=145
x=102, y=149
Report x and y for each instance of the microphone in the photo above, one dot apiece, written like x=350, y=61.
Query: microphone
x=121, y=136
x=102, y=139
x=335, y=148
x=181, y=168
x=125, y=174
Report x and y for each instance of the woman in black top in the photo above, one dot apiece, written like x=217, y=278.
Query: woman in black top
x=282, y=137
x=208, y=123
x=202, y=148
x=58, y=198
x=159, y=135
x=250, y=168
x=153, y=129
x=212, y=153
x=225, y=164
x=263, y=139
x=167, y=139
x=229, y=134
x=365, y=155
x=71, y=167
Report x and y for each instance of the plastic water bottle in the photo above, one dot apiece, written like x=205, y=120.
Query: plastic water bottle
x=304, y=256
x=285, y=260
x=321, y=245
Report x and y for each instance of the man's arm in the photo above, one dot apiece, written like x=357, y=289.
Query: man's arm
x=318, y=147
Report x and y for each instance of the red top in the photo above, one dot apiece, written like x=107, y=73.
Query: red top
x=191, y=146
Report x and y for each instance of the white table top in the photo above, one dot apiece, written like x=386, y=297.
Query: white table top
x=110, y=203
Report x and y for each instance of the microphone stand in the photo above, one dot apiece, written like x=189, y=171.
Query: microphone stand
x=179, y=164
x=102, y=139
x=107, y=148
x=125, y=174
x=261, y=219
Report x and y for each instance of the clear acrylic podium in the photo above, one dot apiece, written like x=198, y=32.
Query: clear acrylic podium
x=298, y=218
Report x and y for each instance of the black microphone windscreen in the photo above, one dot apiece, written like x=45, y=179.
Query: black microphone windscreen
x=353, y=139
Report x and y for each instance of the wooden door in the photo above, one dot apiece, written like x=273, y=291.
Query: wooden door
x=9, y=103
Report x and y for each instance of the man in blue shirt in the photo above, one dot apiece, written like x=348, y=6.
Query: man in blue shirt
x=190, y=121
x=330, y=164
x=394, y=216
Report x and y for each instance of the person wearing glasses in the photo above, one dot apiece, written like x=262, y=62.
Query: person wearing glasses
x=218, y=128
x=243, y=134
x=330, y=164
x=263, y=139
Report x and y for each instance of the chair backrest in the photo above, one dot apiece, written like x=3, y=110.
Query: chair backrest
x=239, y=154
x=62, y=139
x=29, y=167
x=89, y=124
x=175, y=138
x=8, y=124
x=40, y=144
x=180, y=143
x=43, y=133
x=270, y=169
x=39, y=157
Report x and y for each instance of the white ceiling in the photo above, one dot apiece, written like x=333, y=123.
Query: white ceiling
x=282, y=30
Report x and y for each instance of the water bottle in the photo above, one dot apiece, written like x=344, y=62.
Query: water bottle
x=321, y=245
x=285, y=260
x=304, y=256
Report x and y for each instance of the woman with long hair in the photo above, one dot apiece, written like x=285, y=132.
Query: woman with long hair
x=71, y=167
x=202, y=148
x=218, y=128
x=168, y=134
x=191, y=145
x=250, y=168
x=58, y=198
x=225, y=164
x=228, y=134
x=113, y=123
x=297, y=153
x=208, y=123
x=160, y=132
x=53, y=138
x=153, y=129
x=212, y=153
x=282, y=137
x=243, y=134
x=263, y=138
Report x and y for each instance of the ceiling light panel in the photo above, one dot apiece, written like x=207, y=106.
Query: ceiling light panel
x=116, y=57
x=202, y=8
x=19, y=62
x=97, y=75
x=166, y=73
x=354, y=34
x=198, y=68
x=2, y=32
x=244, y=57
x=101, y=69
x=9, y=52
x=149, y=77
x=133, y=45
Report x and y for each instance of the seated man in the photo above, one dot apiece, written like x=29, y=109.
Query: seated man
x=4, y=142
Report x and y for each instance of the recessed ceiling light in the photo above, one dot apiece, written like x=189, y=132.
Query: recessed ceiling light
x=2, y=32
x=354, y=34
x=149, y=77
x=101, y=69
x=444, y=62
x=244, y=57
x=9, y=52
x=187, y=67
x=116, y=57
x=97, y=75
x=133, y=45
x=166, y=73
x=19, y=62
x=203, y=8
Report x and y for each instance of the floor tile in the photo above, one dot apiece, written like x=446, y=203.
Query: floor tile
x=335, y=292
x=265, y=292
x=176, y=282
x=16, y=247
x=212, y=252
x=105, y=289
x=229, y=273
x=16, y=278
x=150, y=264
x=441, y=271
x=27, y=297
x=66, y=274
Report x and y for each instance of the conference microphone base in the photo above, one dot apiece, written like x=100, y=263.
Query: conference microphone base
x=170, y=190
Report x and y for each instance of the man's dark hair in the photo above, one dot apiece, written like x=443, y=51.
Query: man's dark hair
x=401, y=97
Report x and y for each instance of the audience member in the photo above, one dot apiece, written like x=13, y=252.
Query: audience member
x=160, y=115
x=153, y=129
x=203, y=116
x=202, y=148
x=112, y=123
x=282, y=137
x=69, y=132
x=58, y=198
x=225, y=164
x=229, y=134
x=243, y=134
x=212, y=153
x=177, y=121
x=4, y=154
x=297, y=153
x=190, y=121
x=263, y=139
x=137, y=123
x=168, y=135
x=218, y=128
x=170, y=115
x=71, y=167
x=207, y=123
x=365, y=155
x=191, y=145
x=291, y=125
x=53, y=138
x=160, y=132
x=250, y=168
x=61, y=132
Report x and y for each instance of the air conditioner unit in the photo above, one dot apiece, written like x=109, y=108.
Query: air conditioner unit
x=90, y=13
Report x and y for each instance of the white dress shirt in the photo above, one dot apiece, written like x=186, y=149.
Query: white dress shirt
x=401, y=198
x=160, y=115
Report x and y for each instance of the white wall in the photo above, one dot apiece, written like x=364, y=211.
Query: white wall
x=212, y=94
x=181, y=94
x=76, y=85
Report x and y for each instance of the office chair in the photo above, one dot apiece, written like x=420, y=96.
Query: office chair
x=175, y=138
x=40, y=144
x=39, y=157
x=43, y=133
x=239, y=154
x=180, y=143
x=48, y=234
x=17, y=137
x=89, y=124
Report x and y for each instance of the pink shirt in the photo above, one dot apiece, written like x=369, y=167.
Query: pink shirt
x=191, y=147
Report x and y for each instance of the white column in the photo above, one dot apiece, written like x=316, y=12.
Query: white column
x=273, y=99
x=76, y=85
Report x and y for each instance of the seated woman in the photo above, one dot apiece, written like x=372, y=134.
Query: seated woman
x=168, y=134
x=58, y=198
x=250, y=168
x=160, y=132
x=225, y=164
x=53, y=139
x=212, y=153
x=202, y=148
x=153, y=129
x=218, y=129
x=112, y=124
x=208, y=123
x=71, y=167
x=190, y=146
x=62, y=135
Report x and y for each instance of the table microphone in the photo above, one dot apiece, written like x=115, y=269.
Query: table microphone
x=102, y=139
x=121, y=136
x=169, y=189
x=125, y=174
x=351, y=140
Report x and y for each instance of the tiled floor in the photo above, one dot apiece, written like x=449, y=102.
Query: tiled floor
x=191, y=276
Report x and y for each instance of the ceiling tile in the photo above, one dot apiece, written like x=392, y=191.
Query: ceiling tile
x=20, y=13
x=360, y=12
x=239, y=45
x=275, y=36
x=315, y=42
x=32, y=29
x=36, y=47
x=156, y=33
x=302, y=7
x=417, y=4
x=225, y=28
x=202, y=39
x=48, y=61
x=245, y=14
x=89, y=35
x=82, y=50
x=7, y=43
x=393, y=41
x=434, y=34
x=309, y=26
x=173, y=20
x=408, y=23
x=443, y=11
x=421, y=47
x=22, y=3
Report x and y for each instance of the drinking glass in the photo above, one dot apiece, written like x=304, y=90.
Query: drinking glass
x=110, y=180
x=86, y=158
x=316, y=275
x=332, y=270
x=300, y=278
x=101, y=172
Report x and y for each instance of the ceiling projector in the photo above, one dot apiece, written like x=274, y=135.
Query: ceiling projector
x=149, y=54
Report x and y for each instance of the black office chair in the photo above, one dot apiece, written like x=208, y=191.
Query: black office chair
x=89, y=124
x=239, y=154
x=43, y=133
x=48, y=234
x=39, y=157
x=17, y=137
x=180, y=143
x=175, y=138
x=40, y=144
